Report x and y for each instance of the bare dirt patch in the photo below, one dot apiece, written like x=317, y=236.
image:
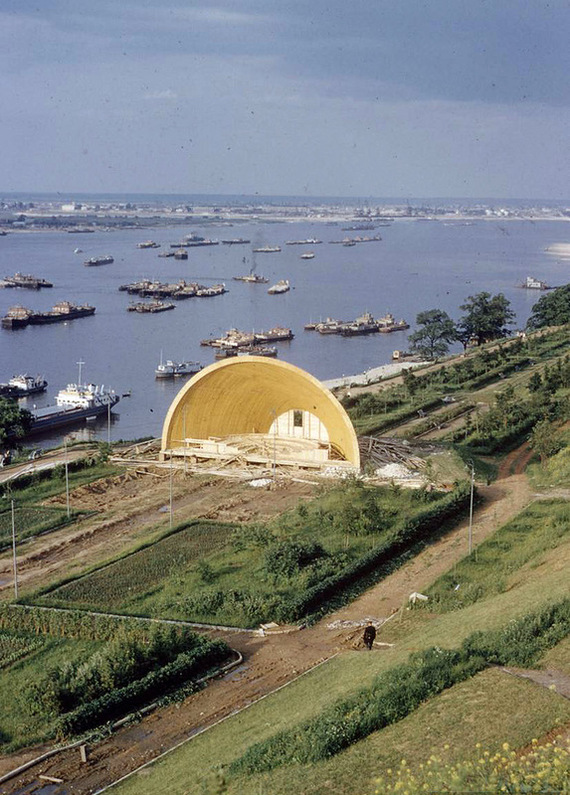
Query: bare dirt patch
x=131, y=507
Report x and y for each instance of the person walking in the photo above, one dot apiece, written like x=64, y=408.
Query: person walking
x=369, y=635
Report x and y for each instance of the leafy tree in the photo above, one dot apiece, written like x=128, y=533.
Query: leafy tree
x=410, y=381
x=486, y=318
x=14, y=421
x=544, y=440
x=551, y=309
x=534, y=382
x=437, y=330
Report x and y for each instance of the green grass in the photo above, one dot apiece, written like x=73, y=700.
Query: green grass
x=496, y=564
x=218, y=573
x=314, y=692
x=491, y=708
x=30, y=520
x=555, y=472
x=129, y=583
x=558, y=658
x=49, y=483
x=19, y=728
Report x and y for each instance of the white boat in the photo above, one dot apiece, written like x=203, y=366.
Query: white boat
x=308, y=255
x=267, y=249
x=86, y=396
x=27, y=384
x=531, y=283
x=171, y=369
x=282, y=286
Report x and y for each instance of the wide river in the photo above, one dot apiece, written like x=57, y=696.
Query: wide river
x=418, y=265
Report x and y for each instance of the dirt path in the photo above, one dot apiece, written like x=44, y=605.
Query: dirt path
x=516, y=461
x=551, y=679
x=269, y=662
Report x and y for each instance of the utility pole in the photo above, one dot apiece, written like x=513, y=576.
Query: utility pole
x=14, y=553
x=274, y=443
x=470, y=532
x=66, y=478
x=171, y=488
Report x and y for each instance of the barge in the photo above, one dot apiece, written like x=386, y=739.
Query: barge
x=106, y=259
x=25, y=280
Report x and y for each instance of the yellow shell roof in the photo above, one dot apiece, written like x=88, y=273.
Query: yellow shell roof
x=244, y=395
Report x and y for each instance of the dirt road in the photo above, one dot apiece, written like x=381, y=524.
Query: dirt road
x=269, y=662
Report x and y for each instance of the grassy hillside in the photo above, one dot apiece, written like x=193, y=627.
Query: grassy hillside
x=490, y=708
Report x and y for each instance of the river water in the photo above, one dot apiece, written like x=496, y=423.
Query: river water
x=418, y=265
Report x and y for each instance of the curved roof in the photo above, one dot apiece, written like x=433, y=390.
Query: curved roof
x=244, y=395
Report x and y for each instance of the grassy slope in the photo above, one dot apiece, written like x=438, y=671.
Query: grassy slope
x=558, y=658
x=192, y=763
x=17, y=727
x=491, y=708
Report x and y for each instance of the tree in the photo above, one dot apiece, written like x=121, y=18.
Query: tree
x=534, y=382
x=14, y=421
x=486, y=318
x=544, y=440
x=437, y=332
x=552, y=309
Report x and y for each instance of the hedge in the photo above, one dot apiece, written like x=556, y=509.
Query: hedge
x=395, y=693
x=188, y=665
x=400, y=540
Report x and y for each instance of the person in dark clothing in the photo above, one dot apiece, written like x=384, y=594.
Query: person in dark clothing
x=369, y=635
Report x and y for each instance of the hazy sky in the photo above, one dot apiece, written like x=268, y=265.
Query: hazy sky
x=336, y=97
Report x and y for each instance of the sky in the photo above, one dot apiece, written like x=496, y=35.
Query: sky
x=395, y=98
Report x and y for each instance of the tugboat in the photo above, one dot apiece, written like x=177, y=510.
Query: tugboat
x=16, y=317
x=171, y=369
x=106, y=259
x=180, y=253
x=23, y=385
x=252, y=278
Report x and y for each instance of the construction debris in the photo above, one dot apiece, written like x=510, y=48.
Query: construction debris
x=387, y=450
